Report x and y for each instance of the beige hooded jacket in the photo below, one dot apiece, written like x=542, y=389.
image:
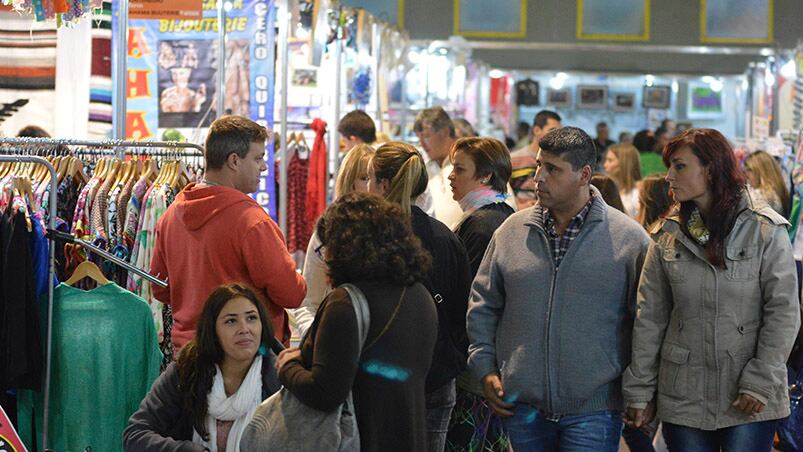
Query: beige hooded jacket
x=704, y=334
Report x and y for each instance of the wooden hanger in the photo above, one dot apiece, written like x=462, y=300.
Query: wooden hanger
x=87, y=269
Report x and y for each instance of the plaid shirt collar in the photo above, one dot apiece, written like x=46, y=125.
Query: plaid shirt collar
x=558, y=244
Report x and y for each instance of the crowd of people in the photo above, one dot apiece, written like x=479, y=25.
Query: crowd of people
x=536, y=299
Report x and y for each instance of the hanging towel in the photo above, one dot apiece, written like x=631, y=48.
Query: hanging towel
x=316, y=182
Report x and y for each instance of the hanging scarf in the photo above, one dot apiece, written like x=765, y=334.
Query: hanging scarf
x=697, y=228
x=239, y=407
x=479, y=197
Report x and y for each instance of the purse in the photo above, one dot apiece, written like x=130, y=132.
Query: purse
x=284, y=423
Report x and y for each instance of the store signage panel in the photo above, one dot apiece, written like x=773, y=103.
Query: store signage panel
x=483, y=18
x=736, y=21
x=165, y=9
x=172, y=77
x=391, y=11
x=613, y=20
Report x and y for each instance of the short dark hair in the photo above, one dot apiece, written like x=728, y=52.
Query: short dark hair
x=572, y=145
x=602, y=124
x=490, y=157
x=358, y=124
x=33, y=132
x=435, y=118
x=369, y=239
x=231, y=135
x=196, y=361
x=464, y=126
x=644, y=141
x=543, y=116
x=660, y=131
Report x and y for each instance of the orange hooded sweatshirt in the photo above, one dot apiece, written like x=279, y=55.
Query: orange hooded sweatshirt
x=217, y=235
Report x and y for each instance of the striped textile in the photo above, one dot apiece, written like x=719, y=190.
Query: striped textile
x=29, y=53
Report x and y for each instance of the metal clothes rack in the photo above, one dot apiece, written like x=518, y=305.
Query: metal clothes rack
x=120, y=147
x=19, y=151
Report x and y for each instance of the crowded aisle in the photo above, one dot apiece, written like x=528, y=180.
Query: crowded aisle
x=291, y=225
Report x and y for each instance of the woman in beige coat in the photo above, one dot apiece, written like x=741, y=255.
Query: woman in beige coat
x=718, y=311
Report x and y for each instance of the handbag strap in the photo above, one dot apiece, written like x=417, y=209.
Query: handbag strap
x=360, y=305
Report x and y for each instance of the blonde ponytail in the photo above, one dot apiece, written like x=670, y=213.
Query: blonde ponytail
x=402, y=165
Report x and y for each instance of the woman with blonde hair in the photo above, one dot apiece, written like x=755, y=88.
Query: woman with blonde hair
x=352, y=177
x=764, y=175
x=624, y=166
x=398, y=174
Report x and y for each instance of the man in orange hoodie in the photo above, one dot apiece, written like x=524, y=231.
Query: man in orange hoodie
x=214, y=233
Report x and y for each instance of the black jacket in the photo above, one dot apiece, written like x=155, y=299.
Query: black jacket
x=477, y=229
x=449, y=282
x=159, y=425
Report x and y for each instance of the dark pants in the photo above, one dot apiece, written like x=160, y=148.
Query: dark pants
x=752, y=437
x=637, y=440
x=440, y=403
x=532, y=431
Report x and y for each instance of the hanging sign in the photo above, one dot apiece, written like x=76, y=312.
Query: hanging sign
x=165, y=9
x=9, y=440
x=172, y=73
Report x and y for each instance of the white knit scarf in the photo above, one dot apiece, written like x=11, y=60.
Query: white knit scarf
x=479, y=197
x=239, y=407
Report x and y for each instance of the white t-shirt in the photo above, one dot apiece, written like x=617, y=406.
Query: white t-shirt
x=447, y=210
x=630, y=201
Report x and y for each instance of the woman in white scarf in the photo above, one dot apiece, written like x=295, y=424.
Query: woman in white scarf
x=480, y=174
x=204, y=401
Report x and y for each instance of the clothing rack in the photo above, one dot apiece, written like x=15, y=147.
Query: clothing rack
x=51, y=271
x=19, y=151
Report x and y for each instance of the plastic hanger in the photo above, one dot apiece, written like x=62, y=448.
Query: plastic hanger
x=87, y=269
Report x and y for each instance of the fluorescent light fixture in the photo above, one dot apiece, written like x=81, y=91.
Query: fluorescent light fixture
x=788, y=70
x=496, y=73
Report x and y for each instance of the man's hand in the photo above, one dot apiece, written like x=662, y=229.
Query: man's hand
x=637, y=417
x=748, y=404
x=494, y=393
x=286, y=356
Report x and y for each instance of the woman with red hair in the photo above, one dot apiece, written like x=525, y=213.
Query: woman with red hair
x=718, y=310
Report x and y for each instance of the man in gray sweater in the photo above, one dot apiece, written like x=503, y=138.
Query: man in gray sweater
x=552, y=307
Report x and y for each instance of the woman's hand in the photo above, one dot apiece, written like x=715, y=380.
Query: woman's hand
x=286, y=356
x=748, y=404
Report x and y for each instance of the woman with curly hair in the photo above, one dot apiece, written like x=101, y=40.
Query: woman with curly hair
x=204, y=400
x=397, y=172
x=367, y=243
x=718, y=308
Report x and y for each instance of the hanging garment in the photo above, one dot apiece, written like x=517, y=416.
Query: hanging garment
x=67, y=196
x=316, y=181
x=299, y=229
x=21, y=360
x=104, y=360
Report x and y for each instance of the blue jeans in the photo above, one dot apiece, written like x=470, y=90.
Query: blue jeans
x=531, y=431
x=752, y=437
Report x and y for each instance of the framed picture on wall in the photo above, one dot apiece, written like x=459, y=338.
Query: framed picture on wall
x=613, y=20
x=559, y=97
x=736, y=21
x=592, y=96
x=704, y=102
x=657, y=97
x=624, y=102
x=496, y=19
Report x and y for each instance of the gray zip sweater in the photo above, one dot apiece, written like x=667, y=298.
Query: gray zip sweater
x=560, y=339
